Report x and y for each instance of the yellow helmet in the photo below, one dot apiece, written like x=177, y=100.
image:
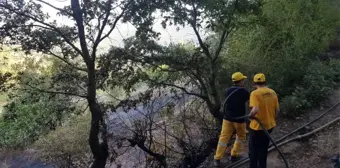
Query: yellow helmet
x=237, y=76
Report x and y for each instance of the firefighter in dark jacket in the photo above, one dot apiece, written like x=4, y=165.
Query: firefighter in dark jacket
x=236, y=100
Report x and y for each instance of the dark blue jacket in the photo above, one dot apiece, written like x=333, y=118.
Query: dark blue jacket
x=236, y=106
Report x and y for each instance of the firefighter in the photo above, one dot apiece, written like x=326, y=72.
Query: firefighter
x=236, y=99
x=265, y=107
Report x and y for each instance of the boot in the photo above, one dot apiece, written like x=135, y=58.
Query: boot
x=217, y=163
x=234, y=158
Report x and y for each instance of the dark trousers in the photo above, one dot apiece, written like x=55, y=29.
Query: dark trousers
x=258, y=148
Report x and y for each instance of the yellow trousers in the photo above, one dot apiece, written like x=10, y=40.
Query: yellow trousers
x=228, y=129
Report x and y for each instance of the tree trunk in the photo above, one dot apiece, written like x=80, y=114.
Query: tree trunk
x=160, y=158
x=97, y=139
x=196, y=159
x=215, y=112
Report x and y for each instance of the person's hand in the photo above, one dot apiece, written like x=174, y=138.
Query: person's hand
x=251, y=115
x=253, y=112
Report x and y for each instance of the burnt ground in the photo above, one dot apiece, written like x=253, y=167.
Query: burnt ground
x=314, y=152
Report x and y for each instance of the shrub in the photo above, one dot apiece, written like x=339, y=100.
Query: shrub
x=30, y=115
x=291, y=105
x=317, y=84
x=67, y=146
x=335, y=65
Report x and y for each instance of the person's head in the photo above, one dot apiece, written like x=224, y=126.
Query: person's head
x=238, y=79
x=260, y=80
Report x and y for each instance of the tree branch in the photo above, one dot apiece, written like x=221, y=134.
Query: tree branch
x=54, y=7
x=193, y=25
x=181, y=88
x=115, y=22
x=102, y=27
x=220, y=45
x=16, y=26
x=54, y=92
x=46, y=24
x=225, y=33
x=78, y=16
x=157, y=156
x=68, y=63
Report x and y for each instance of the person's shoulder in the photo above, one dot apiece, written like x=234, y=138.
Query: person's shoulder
x=229, y=89
x=255, y=92
x=244, y=90
x=271, y=90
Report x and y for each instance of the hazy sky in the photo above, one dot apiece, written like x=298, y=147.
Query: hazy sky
x=126, y=30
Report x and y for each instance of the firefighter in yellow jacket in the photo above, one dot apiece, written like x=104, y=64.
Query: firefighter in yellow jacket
x=236, y=99
x=265, y=107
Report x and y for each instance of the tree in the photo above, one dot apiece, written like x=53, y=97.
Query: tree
x=76, y=44
x=196, y=65
x=193, y=69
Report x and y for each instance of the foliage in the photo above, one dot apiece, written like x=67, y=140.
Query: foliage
x=67, y=145
x=317, y=84
x=24, y=23
x=280, y=38
x=287, y=33
x=285, y=38
x=34, y=107
x=31, y=114
x=193, y=69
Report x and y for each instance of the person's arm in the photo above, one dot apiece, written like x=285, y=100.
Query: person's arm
x=254, y=111
x=247, y=95
x=277, y=107
x=254, y=104
x=246, y=104
x=277, y=112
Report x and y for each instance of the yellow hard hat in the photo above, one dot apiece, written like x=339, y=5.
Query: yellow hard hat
x=237, y=76
x=260, y=77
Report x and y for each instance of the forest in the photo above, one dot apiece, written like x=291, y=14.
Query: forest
x=146, y=103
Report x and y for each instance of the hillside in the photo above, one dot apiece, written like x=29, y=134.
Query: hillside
x=73, y=103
